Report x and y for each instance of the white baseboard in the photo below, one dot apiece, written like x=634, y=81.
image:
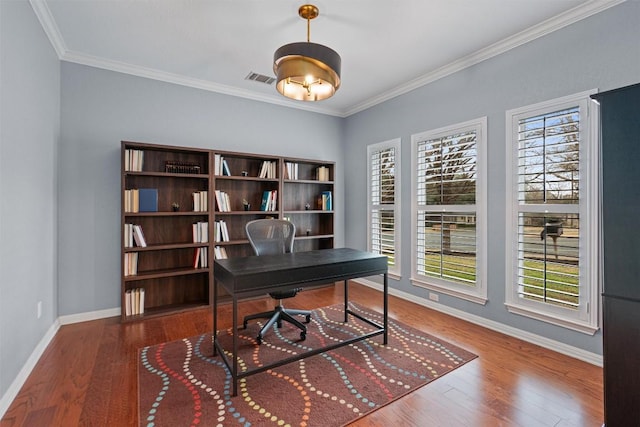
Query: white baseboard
x=557, y=346
x=24, y=373
x=90, y=315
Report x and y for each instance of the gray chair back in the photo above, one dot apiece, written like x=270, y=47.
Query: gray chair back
x=271, y=236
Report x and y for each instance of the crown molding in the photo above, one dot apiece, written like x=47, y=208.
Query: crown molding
x=43, y=13
x=153, y=74
x=562, y=20
x=178, y=79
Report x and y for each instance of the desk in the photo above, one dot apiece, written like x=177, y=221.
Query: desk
x=251, y=276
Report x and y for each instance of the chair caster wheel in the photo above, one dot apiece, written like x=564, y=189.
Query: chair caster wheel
x=307, y=319
x=244, y=325
x=303, y=336
x=259, y=340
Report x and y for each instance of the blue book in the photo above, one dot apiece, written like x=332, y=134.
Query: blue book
x=265, y=201
x=327, y=203
x=148, y=200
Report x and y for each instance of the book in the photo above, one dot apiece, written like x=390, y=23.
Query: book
x=148, y=199
x=266, y=197
x=138, y=235
x=128, y=235
x=327, y=202
x=322, y=173
x=216, y=164
x=224, y=231
x=196, y=257
x=127, y=302
x=225, y=168
x=141, y=305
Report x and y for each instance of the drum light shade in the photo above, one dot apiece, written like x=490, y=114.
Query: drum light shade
x=307, y=71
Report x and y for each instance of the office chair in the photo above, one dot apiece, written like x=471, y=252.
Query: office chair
x=270, y=237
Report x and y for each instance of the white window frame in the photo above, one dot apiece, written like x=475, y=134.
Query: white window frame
x=478, y=293
x=585, y=317
x=394, y=270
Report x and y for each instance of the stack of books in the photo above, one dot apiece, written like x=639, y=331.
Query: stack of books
x=141, y=200
x=221, y=233
x=134, y=301
x=133, y=234
x=322, y=173
x=291, y=170
x=326, y=202
x=268, y=170
x=133, y=160
x=223, y=202
x=220, y=252
x=220, y=166
x=200, y=201
x=269, y=201
x=130, y=264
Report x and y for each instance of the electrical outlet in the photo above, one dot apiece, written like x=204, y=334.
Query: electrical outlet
x=39, y=309
x=434, y=297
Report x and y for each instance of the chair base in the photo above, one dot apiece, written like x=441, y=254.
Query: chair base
x=277, y=316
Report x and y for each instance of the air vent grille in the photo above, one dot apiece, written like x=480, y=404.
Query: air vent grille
x=260, y=78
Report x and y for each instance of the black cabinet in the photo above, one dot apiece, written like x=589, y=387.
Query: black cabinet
x=620, y=198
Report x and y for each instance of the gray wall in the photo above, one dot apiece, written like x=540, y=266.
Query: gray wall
x=100, y=108
x=59, y=157
x=599, y=52
x=29, y=132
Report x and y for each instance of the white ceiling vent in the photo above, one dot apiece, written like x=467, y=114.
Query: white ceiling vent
x=260, y=78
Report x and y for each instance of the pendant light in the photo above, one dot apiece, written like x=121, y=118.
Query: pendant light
x=307, y=71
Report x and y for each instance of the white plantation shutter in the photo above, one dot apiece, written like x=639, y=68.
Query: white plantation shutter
x=446, y=194
x=447, y=170
x=549, y=158
x=549, y=175
x=383, y=201
x=552, y=225
x=447, y=190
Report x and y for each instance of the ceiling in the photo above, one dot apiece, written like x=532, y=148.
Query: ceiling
x=387, y=47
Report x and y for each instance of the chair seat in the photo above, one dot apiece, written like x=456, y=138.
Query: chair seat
x=284, y=294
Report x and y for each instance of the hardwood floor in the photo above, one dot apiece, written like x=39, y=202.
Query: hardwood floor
x=87, y=375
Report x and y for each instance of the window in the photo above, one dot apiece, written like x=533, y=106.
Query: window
x=448, y=216
x=384, y=202
x=552, y=214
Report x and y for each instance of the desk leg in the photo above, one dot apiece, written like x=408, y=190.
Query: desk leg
x=386, y=309
x=215, y=317
x=234, y=374
x=346, y=299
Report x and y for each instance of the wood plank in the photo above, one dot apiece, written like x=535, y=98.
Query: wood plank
x=88, y=374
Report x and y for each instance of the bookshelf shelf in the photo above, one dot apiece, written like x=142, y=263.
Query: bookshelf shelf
x=169, y=175
x=155, y=274
x=165, y=247
x=175, y=268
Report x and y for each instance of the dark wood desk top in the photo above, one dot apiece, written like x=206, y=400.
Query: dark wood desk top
x=260, y=274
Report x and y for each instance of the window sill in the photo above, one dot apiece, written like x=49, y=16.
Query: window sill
x=572, y=324
x=472, y=297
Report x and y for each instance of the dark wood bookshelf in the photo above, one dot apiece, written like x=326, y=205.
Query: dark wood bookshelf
x=165, y=267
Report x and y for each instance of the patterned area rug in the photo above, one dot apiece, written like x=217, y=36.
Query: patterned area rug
x=181, y=384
